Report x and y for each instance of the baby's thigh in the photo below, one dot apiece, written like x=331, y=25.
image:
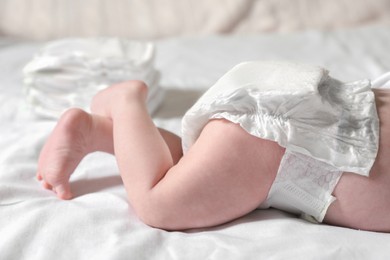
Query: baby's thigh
x=226, y=174
x=243, y=166
x=361, y=203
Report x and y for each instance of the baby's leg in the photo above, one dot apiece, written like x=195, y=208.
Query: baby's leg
x=76, y=135
x=226, y=174
x=362, y=203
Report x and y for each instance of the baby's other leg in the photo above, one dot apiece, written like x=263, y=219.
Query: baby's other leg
x=77, y=134
x=101, y=106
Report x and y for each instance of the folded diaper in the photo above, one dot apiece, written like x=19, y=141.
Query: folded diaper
x=299, y=106
x=68, y=73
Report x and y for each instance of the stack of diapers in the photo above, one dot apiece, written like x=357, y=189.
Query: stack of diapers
x=68, y=73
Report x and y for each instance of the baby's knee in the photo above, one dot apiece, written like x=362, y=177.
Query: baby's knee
x=156, y=216
x=72, y=117
x=132, y=88
x=164, y=212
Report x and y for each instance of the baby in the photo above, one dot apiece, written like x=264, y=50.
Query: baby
x=239, y=153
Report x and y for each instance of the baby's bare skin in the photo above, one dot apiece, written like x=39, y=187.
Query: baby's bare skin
x=226, y=174
x=62, y=153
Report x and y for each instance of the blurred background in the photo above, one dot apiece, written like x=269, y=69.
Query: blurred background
x=155, y=19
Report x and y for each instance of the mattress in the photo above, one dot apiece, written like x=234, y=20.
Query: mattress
x=99, y=223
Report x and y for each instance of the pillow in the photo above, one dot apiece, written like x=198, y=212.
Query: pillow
x=286, y=15
x=150, y=19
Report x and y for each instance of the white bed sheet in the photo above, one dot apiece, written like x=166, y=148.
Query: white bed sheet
x=100, y=224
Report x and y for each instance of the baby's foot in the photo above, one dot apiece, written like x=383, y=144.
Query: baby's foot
x=67, y=145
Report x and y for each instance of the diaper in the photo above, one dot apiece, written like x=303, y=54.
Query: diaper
x=298, y=106
x=303, y=186
x=326, y=126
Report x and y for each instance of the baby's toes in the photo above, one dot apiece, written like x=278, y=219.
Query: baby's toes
x=39, y=176
x=46, y=185
x=63, y=191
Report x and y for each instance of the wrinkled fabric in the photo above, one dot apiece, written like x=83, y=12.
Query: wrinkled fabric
x=298, y=106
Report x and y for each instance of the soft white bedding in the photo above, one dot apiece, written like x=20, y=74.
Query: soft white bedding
x=100, y=224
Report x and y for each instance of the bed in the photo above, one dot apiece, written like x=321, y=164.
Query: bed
x=100, y=224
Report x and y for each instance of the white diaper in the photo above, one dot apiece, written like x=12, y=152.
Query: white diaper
x=299, y=106
x=303, y=185
x=326, y=126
